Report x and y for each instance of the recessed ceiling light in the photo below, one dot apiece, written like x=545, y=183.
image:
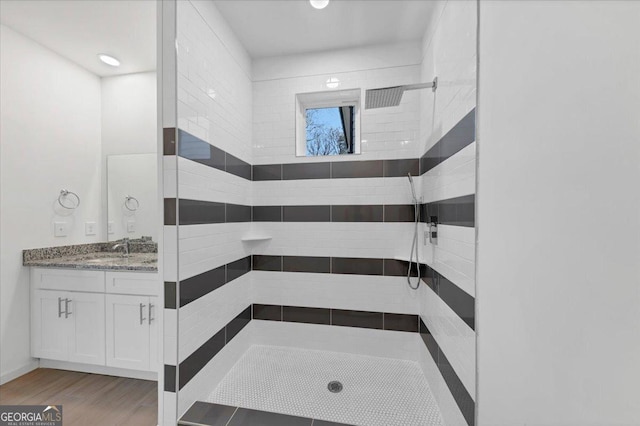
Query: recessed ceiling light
x=319, y=4
x=333, y=82
x=109, y=60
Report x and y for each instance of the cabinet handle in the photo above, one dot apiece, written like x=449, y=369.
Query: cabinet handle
x=60, y=307
x=142, y=318
x=66, y=308
x=151, y=318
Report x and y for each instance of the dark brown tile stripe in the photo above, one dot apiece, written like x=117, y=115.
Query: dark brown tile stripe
x=357, y=266
x=337, y=317
x=458, y=211
x=195, y=287
x=237, y=167
x=357, y=213
x=200, y=285
x=335, y=213
x=267, y=312
x=360, y=319
x=195, y=149
x=356, y=169
x=400, y=168
x=200, y=357
x=169, y=378
x=306, y=171
x=266, y=214
x=306, y=213
x=170, y=211
x=211, y=414
x=461, y=302
x=169, y=295
x=457, y=299
x=266, y=263
x=458, y=391
x=461, y=135
x=320, y=265
x=267, y=172
x=196, y=212
x=169, y=141
x=306, y=315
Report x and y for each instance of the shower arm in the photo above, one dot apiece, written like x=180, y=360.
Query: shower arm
x=433, y=85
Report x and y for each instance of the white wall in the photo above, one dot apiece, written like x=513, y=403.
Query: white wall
x=559, y=213
x=50, y=133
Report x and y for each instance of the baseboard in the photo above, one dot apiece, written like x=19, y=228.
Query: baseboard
x=99, y=369
x=7, y=377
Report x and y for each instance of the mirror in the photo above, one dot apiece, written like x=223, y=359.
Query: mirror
x=132, y=204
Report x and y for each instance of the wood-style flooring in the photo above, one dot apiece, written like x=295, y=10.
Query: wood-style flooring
x=86, y=399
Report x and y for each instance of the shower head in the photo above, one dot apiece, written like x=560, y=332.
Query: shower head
x=413, y=190
x=391, y=96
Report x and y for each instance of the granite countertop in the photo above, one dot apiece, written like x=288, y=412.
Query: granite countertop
x=90, y=257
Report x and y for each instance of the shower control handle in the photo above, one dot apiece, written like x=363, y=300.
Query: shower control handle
x=433, y=230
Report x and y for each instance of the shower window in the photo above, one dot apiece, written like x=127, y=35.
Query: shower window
x=327, y=123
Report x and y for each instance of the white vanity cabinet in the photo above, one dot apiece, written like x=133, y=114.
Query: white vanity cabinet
x=95, y=317
x=68, y=326
x=131, y=322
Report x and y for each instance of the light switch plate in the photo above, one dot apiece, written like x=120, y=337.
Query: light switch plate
x=89, y=228
x=110, y=226
x=131, y=226
x=60, y=229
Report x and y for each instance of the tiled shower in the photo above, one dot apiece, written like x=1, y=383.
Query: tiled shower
x=268, y=255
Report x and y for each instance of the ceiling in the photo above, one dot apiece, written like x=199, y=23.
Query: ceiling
x=79, y=30
x=286, y=27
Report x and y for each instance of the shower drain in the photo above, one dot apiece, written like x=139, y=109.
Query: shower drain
x=334, y=386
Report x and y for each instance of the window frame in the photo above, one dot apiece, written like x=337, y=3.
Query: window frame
x=326, y=99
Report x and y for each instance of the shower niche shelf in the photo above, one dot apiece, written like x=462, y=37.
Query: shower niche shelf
x=255, y=238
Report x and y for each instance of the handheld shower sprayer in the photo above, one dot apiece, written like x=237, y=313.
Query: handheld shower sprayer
x=413, y=190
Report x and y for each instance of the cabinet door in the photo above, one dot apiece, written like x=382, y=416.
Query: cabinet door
x=127, y=331
x=49, y=328
x=86, y=319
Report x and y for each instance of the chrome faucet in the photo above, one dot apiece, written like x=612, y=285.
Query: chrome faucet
x=125, y=244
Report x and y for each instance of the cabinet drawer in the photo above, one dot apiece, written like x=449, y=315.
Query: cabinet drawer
x=70, y=280
x=140, y=283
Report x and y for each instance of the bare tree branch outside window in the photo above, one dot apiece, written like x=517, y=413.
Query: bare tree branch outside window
x=324, y=137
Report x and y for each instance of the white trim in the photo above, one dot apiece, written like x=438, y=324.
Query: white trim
x=99, y=369
x=14, y=374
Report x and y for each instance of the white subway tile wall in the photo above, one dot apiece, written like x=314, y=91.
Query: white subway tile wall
x=340, y=291
x=214, y=103
x=205, y=316
x=449, y=51
x=252, y=117
x=386, y=133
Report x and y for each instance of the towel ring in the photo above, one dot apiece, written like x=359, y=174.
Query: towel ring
x=64, y=194
x=128, y=199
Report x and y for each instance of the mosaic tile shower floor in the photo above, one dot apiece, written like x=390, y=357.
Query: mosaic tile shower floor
x=377, y=391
